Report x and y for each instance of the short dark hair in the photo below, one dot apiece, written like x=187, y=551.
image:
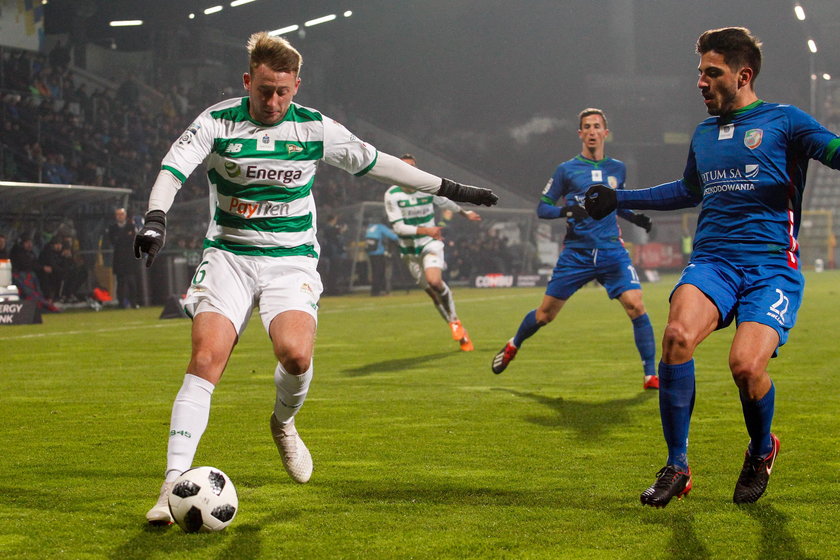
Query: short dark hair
x=738, y=46
x=408, y=156
x=591, y=111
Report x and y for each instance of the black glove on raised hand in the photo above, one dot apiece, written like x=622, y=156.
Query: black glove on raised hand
x=600, y=201
x=465, y=193
x=575, y=211
x=642, y=221
x=151, y=238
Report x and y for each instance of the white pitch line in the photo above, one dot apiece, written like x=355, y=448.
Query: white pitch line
x=173, y=323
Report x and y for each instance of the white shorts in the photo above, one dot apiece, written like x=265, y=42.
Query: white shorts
x=430, y=257
x=233, y=284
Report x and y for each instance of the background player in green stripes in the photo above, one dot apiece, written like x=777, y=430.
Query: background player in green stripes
x=260, y=250
x=412, y=215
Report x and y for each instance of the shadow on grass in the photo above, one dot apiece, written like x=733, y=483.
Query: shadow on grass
x=387, y=366
x=243, y=542
x=776, y=541
x=683, y=543
x=590, y=419
x=438, y=492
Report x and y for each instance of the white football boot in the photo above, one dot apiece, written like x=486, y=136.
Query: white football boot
x=159, y=514
x=296, y=457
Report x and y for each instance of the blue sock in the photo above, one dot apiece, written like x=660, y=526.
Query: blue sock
x=643, y=333
x=758, y=415
x=527, y=328
x=676, y=402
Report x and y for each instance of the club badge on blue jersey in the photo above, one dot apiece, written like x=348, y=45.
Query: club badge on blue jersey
x=752, y=138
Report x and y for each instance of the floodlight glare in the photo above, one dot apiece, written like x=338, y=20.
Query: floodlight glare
x=800, y=12
x=126, y=23
x=191, y=16
x=348, y=13
x=812, y=45
x=284, y=30
x=826, y=76
x=316, y=21
x=236, y=3
x=213, y=10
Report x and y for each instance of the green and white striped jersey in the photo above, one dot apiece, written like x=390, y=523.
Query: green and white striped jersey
x=408, y=210
x=261, y=176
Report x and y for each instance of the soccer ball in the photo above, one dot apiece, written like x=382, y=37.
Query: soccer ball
x=203, y=499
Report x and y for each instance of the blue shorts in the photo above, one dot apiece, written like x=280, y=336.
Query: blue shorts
x=768, y=293
x=576, y=267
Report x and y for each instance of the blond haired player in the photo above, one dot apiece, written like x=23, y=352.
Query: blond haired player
x=260, y=250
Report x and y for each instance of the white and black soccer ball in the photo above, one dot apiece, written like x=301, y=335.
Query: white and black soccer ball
x=203, y=499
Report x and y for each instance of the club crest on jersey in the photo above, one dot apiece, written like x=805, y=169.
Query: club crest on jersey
x=612, y=182
x=265, y=144
x=752, y=138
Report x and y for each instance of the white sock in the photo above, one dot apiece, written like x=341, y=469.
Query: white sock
x=190, y=414
x=447, y=304
x=291, y=392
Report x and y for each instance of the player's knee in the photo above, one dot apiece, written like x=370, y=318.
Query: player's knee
x=677, y=341
x=744, y=370
x=206, y=360
x=635, y=309
x=545, y=317
x=437, y=285
x=294, y=361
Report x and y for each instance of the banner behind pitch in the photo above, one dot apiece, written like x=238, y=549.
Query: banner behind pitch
x=19, y=313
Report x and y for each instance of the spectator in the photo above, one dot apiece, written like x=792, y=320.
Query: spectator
x=125, y=267
x=377, y=236
x=334, y=260
x=25, y=269
x=53, y=269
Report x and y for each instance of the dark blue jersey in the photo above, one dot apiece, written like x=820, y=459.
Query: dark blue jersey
x=570, y=182
x=750, y=169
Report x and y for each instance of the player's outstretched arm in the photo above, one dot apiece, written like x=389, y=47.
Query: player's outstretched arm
x=466, y=193
x=601, y=200
x=391, y=170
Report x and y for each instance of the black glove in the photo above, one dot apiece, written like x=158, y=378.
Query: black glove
x=151, y=238
x=465, y=193
x=600, y=201
x=575, y=211
x=642, y=221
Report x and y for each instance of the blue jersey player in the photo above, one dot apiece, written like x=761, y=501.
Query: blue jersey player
x=747, y=166
x=593, y=250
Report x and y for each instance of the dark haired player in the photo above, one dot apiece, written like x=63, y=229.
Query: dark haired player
x=747, y=165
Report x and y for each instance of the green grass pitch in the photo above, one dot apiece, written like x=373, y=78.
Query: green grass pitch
x=419, y=450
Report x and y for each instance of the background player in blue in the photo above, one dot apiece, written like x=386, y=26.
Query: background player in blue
x=747, y=165
x=592, y=249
